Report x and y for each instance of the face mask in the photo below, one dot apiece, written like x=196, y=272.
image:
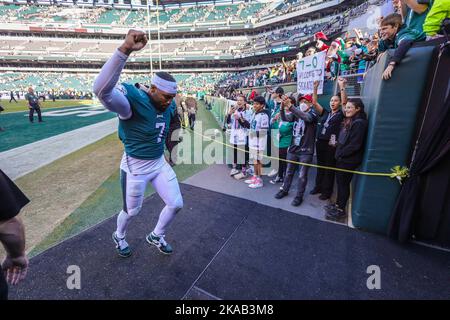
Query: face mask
x=303, y=107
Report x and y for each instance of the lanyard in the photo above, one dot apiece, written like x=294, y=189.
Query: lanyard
x=330, y=116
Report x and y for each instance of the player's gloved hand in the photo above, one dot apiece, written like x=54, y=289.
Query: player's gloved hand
x=134, y=41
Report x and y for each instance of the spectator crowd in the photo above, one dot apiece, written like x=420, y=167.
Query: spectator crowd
x=297, y=125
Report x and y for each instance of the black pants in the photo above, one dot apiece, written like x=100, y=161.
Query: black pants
x=282, y=154
x=325, y=157
x=268, y=149
x=170, y=145
x=237, y=155
x=302, y=176
x=192, y=120
x=12, y=98
x=343, y=180
x=31, y=114
x=3, y=287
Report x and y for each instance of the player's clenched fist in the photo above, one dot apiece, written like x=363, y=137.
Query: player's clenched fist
x=134, y=41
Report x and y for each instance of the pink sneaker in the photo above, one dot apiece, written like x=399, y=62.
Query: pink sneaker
x=257, y=184
x=251, y=180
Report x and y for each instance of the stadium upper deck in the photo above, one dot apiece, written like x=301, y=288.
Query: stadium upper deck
x=83, y=36
x=171, y=17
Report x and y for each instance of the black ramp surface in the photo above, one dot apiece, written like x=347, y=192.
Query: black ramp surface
x=278, y=255
x=232, y=248
x=196, y=234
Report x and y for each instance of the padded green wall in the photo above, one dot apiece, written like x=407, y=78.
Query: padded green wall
x=392, y=107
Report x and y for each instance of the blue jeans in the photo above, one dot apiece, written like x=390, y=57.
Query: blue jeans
x=303, y=172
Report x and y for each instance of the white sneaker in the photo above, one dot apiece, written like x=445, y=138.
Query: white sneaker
x=122, y=247
x=239, y=176
x=234, y=171
x=276, y=180
x=273, y=173
x=251, y=180
x=257, y=184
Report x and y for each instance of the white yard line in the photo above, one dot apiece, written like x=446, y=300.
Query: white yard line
x=28, y=158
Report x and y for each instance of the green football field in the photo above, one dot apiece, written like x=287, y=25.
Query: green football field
x=18, y=130
x=22, y=105
x=60, y=183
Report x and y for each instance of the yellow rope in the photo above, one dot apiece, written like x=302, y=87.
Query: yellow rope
x=397, y=172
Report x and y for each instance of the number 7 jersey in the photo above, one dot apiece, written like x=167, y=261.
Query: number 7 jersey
x=144, y=134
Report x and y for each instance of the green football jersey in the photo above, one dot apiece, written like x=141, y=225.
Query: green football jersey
x=144, y=134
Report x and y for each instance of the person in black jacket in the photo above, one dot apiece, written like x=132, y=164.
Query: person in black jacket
x=329, y=127
x=12, y=235
x=173, y=138
x=349, y=154
x=33, y=104
x=1, y=109
x=12, y=97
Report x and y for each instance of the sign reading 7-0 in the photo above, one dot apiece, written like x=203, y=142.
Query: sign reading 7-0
x=309, y=69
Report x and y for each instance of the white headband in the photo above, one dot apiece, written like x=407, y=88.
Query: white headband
x=164, y=85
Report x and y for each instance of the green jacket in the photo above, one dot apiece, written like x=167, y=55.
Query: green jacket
x=414, y=21
x=438, y=12
x=284, y=136
x=404, y=33
x=344, y=60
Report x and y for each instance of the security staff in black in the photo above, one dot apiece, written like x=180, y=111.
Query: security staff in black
x=302, y=145
x=328, y=132
x=33, y=104
x=12, y=97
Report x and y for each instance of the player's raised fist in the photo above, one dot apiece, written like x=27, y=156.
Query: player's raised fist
x=134, y=41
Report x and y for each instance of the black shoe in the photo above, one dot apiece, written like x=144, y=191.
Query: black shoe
x=297, y=201
x=324, y=197
x=336, y=214
x=316, y=190
x=281, y=194
x=329, y=207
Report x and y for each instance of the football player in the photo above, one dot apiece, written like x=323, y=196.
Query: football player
x=144, y=120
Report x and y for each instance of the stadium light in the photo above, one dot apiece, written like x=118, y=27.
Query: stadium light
x=149, y=38
x=159, y=34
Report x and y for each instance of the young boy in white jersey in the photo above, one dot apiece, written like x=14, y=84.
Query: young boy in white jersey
x=238, y=135
x=258, y=126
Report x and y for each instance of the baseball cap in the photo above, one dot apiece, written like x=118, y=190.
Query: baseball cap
x=306, y=97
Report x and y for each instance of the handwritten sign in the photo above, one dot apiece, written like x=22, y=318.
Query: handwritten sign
x=309, y=69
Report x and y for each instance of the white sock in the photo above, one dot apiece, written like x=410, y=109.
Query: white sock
x=123, y=219
x=165, y=218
